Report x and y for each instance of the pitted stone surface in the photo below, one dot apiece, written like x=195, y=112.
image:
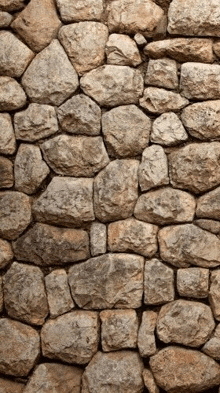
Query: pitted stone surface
x=58, y=293
x=7, y=136
x=168, y=130
x=12, y=96
x=98, y=241
x=193, y=282
x=146, y=336
x=122, y=50
x=162, y=73
x=158, y=283
x=80, y=10
x=158, y=100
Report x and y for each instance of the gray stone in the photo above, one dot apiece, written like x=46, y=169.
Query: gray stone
x=8, y=386
x=212, y=346
x=158, y=100
x=98, y=238
x=162, y=73
x=80, y=10
x=146, y=337
x=12, y=96
x=1, y=295
x=58, y=293
x=149, y=381
x=6, y=253
x=208, y=205
x=5, y=19
x=214, y=293
x=209, y=225
x=7, y=136
x=122, y=50
x=11, y=5
x=158, y=283
x=6, y=173
x=193, y=282
x=168, y=130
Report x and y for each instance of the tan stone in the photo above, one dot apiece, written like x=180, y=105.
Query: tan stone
x=209, y=225
x=208, y=205
x=6, y=173
x=1, y=295
x=146, y=337
x=149, y=381
x=11, y=5
x=162, y=73
x=214, y=293
x=6, y=253
x=8, y=386
x=122, y=50
x=98, y=241
x=12, y=96
x=158, y=100
x=168, y=130
x=158, y=283
x=5, y=19
x=58, y=293
x=212, y=346
x=216, y=48
x=80, y=10
x=7, y=136
x=193, y=282
x=140, y=39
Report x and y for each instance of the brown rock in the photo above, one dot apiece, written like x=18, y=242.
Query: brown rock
x=193, y=282
x=12, y=96
x=7, y=386
x=11, y=5
x=216, y=48
x=149, y=381
x=162, y=73
x=214, y=293
x=157, y=100
x=146, y=337
x=98, y=241
x=6, y=253
x=5, y=19
x=212, y=346
x=1, y=295
x=168, y=130
x=6, y=173
x=7, y=136
x=158, y=283
x=208, y=225
x=122, y=50
x=58, y=293
x=208, y=205
x=80, y=10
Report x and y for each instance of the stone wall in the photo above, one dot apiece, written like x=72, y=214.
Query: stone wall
x=110, y=196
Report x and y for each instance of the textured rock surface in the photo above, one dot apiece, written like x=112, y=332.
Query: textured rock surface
x=8, y=386
x=146, y=337
x=7, y=136
x=162, y=73
x=193, y=282
x=6, y=173
x=1, y=295
x=208, y=205
x=212, y=346
x=12, y=96
x=11, y=5
x=149, y=381
x=80, y=10
x=5, y=19
x=158, y=100
x=158, y=283
x=209, y=225
x=168, y=130
x=122, y=50
x=214, y=293
x=98, y=238
x=58, y=293
x=6, y=253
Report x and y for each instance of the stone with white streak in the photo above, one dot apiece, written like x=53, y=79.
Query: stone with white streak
x=193, y=282
x=214, y=293
x=146, y=336
x=78, y=10
x=12, y=96
x=162, y=73
x=98, y=238
x=58, y=293
x=7, y=136
x=158, y=283
x=122, y=50
x=168, y=130
x=158, y=100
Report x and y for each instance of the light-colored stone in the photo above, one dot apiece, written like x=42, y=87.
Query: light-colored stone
x=12, y=96
x=6, y=253
x=7, y=136
x=158, y=100
x=107, y=281
x=208, y=205
x=8, y=386
x=98, y=238
x=11, y=5
x=116, y=190
x=122, y=50
x=5, y=19
x=209, y=225
x=146, y=337
x=72, y=337
x=6, y=173
x=50, y=78
x=140, y=39
x=214, y=293
x=112, y=85
x=149, y=381
x=216, y=48
x=212, y=346
x=1, y=295
x=158, y=283
x=58, y=293
x=168, y=130
x=162, y=73
x=193, y=282
x=74, y=11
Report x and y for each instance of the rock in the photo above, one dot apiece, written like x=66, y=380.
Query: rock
x=149, y=381
x=216, y=48
x=15, y=214
x=126, y=131
x=114, y=372
x=5, y=19
x=165, y=206
x=80, y=10
x=37, y=24
x=84, y=43
x=6, y=253
x=29, y=169
x=180, y=370
x=193, y=282
x=162, y=73
x=50, y=78
x=80, y=115
x=131, y=235
x=12, y=96
x=156, y=100
x=195, y=167
x=214, y=293
x=6, y=173
x=24, y=294
x=1, y=295
x=112, y=85
x=58, y=293
x=146, y=337
x=46, y=245
x=11, y=5
x=107, y=281
x=208, y=205
x=116, y=190
x=168, y=130
x=119, y=329
x=212, y=346
x=158, y=283
x=79, y=156
x=98, y=238
x=122, y=50
x=140, y=39
x=209, y=225
x=153, y=170
x=67, y=201
x=8, y=386
x=182, y=245
x=72, y=337
x=19, y=348
x=7, y=136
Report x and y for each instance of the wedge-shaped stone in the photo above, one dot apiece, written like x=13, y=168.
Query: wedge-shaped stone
x=162, y=73
x=80, y=10
x=6, y=253
x=98, y=238
x=107, y=281
x=158, y=283
x=214, y=293
x=7, y=136
x=8, y=386
x=11, y=5
x=149, y=381
x=122, y=50
x=5, y=19
x=156, y=100
x=168, y=130
x=209, y=225
x=6, y=173
x=12, y=96
x=193, y=282
x=212, y=346
x=58, y=293
x=209, y=205
x=146, y=336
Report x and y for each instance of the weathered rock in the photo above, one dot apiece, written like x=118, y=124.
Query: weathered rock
x=119, y=329
x=67, y=201
x=208, y=205
x=72, y=338
x=6, y=253
x=58, y=293
x=6, y=173
x=46, y=245
x=182, y=245
x=15, y=214
x=79, y=156
x=153, y=170
x=116, y=190
x=1, y=295
x=162, y=73
x=180, y=370
x=214, y=293
x=131, y=235
x=19, y=347
x=157, y=100
x=209, y=225
x=11, y=5
x=7, y=136
x=140, y=39
x=216, y=48
x=80, y=115
x=37, y=24
x=168, y=130
x=29, y=168
x=114, y=372
x=12, y=96
x=126, y=131
x=212, y=346
x=80, y=10
x=50, y=78
x=24, y=294
x=122, y=50
x=107, y=281
x=193, y=282
x=146, y=337
x=98, y=238
x=5, y=19
x=158, y=283
x=112, y=85
x=84, y=43
x=8, y=386
x=149, y=381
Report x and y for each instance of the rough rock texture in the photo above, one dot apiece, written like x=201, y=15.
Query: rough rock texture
x=140, y=39
x=12, y=96
x=146, y=337
x=98, y=238
x=158, y=100
x=209, y=225
x=168, y=130
x=6, y=253
x=158, y=283
x=162, y=73
x=208, y=205
x=216, y=48
x=5, y=19
x=193, y=282
x=6, y=173
x=80, y=10
x=1, y=295
x=122, y=50
x=11, y=5
x=149, y=381
x=58, y=293
x=7, y=136
x=8, y=386
x=214, y=293
x=212, y=346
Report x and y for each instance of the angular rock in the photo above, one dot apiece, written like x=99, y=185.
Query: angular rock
x=5, y=19
x=67, y=201
x=37, y=24
x=79, y=156
x=12, y=96
x=6, y=173
x=146, y=337
x=80, y=10
x=158, y=100
x=58, y=293
x=209, y=225
x=182, y=245
x=72, y=337
x=46, y=245
x=122, y=50
x=7, y=136
x=214, y=293
x=24, y=294
x=116, y=190
x=112, y=85
x=19, y=348
x=6, y=253
x=193, y=282
x=212, y=346
x=162, y=73
x=107, y=281
x=98, y=238
x=1, y=295
x=119, y=329
x=131, y=235
x=126, y=131
x=168, y=130
x=11, y=5
x=149, y=381
x=140, y=39
x=50, y=78
x=208, y=205
x=8, y=386
x=158, y=283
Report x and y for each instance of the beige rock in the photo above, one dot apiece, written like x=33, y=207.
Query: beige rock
x=7, y=136
x=19, y=347
x=107, y=281
x=126, y=131
x=168, y=130
x=216, y=48
x=8, y=386
x=122, y=50
x=67, y=201
x=209, y=225
x=149, y=381
x=158, y=283
x=162, y=73
x=24, y=294
x=11, y=5
x=80, y=10
x=193, y=282
x=112, y=85
x=98, y=238
x=119, y=329
x=182, y=245
x=212, y=346
x=116, y=190
x=140, y=39
x=1, y=295
x=146, y=337
x=6, y=253
x=6, y=173
x=12, y=96
x=50, y=78
x=72, y=337
x=37, y=24
x=5, y=19
x=131, y=235
x=208, y=205
x=156, y=100
x=58, y=293
x=214, y=293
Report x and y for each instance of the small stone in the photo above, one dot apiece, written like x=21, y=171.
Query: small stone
x=212, y=346
x=80, y=10
x=149, y=381
x=50, y=78
x=6, y=253
x=126, y=131
x=107, y=281
x=193, y=282
x=112, y=85
x=158, y=283
x=37, y=24
x=131, y=235
x=8, y=386
x=5, y=19
x=122, y=50
x=7, y=136
x=208, y=205
x=79, y=156
x=24, y=294
x=58, y=293
x=146, y=337
x=119, y=329
x=116, y=190
x=162, y=73
x=153, y=170
x=214, y=293
x=12, y=96
x=156, y=100
x=72, y=337
x=6, y=173
x=19, y=348
x=98, y=238
x=168, y=130
x=209, y=225
x=1, y=295
x=11, y=5
x=140, y=39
